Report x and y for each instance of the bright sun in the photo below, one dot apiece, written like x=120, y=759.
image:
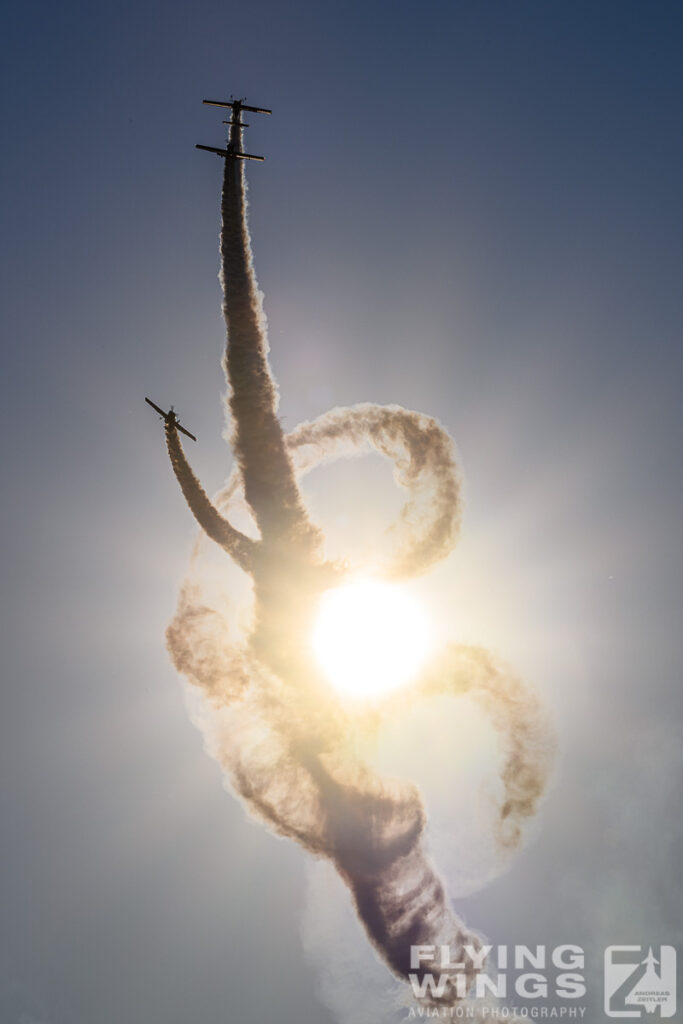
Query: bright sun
x=370, y=638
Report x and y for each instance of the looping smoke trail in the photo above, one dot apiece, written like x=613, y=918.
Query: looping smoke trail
x=280, y=735
x=422, y=452
x=524, y=727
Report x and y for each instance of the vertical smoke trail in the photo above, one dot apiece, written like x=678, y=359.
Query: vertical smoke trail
x=278, y=732
x=269, y=483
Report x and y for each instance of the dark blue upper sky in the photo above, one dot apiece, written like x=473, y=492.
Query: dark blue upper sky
x=472, y=209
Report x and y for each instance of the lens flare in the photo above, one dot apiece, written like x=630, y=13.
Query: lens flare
x=370, y=638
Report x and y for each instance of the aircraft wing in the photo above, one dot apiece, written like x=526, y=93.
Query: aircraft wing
x=186, y=432
x=155, y=406
x=234, y=103
x=224, y=152
x=212, y=149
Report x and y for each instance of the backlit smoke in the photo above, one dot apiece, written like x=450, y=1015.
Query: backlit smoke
x=280, y=733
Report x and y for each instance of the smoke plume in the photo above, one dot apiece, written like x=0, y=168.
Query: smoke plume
x=279, y=733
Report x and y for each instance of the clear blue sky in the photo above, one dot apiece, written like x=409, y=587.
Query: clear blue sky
x=473, y=209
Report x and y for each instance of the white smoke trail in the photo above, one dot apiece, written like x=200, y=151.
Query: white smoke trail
x=281, y=736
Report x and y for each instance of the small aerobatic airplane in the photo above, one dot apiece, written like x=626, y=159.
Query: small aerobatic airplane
x=237, y=106
x=171, y=418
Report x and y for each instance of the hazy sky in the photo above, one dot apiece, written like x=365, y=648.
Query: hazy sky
x=472, y=209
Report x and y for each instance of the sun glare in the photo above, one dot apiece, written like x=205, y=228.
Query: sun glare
x=370, y=638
